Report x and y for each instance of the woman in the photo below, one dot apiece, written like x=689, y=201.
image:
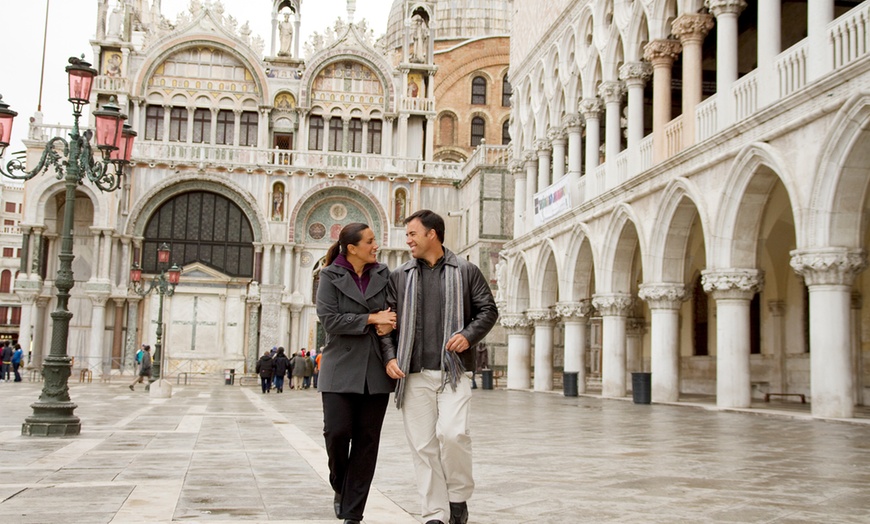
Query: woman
x=265, y=367
x=354, y=385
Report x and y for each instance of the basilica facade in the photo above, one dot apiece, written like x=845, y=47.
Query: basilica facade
x=250, y=158
x=691, y=183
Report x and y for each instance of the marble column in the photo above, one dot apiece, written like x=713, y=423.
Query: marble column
x=635, y=75
x=614, y=308
x=118, y=333
x=39, y=329
x=96, y=357
x=635, y=328
x=726, y=13
x=732, y=289
x=544, y=321
x=575, y=316
x=520, y=196
x=829, y=274
x=661, y=54
x=776, y=345
x=542, y=149
x=25, y=328
x=769, y=46
x=857, y=349
x=691, y=29
x=664, y=301
x=558, y=141
x=531, y=163
x=591, y=110
x=574, y=128
x=519, y=336
x=611, y=92
x=130, y=346
x=819, y=57
x=430, y=138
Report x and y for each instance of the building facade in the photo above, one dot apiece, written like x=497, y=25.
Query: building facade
x=248, y=163
x=691, y=199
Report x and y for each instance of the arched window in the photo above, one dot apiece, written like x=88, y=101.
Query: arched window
x=178, y=124
x=336, y=133
x=201, y=126
x=478, y=90
x=315, y=133
x=447, y=133
x=478, y=131
x=375, y=136
x=154, y=123
x=506, y=92
x=506, y=133
x=203, y=227
x=5, y=281
x=226, y=122
x=248, y=129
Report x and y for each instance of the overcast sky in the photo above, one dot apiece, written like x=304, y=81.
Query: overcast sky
x=72, y=24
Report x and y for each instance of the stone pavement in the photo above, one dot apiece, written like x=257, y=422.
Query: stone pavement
x=230, y=454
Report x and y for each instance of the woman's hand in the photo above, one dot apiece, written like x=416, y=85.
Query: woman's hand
x=384, y=329
x=393, y=369
x=386, y=317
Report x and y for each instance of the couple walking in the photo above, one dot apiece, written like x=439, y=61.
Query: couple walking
x=415, y=326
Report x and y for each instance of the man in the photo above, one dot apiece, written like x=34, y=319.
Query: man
x=7, y=360
x=444, y=307
x=144, y=367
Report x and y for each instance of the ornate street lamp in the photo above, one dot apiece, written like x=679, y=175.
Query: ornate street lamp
x=73, y=161
x=165, y=284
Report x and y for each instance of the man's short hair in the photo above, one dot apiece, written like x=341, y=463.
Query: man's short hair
x=430, y=220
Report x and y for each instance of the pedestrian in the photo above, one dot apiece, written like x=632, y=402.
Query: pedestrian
x=144, y=366
x=6, y=357
x=317, y=365
x=16, y=361
x=444, y=307
x=282, y=365
x=309, y=370
x=265, y=368
x=272, y=353
x=298, y=366
x=353, y=383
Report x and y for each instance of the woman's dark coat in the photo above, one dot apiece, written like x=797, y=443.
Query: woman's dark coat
x=352, y=355
x=282, y=364
x=265, y=366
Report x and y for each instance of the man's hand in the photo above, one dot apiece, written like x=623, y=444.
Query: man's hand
x=457, y=343
x=384, y=329
x=393, y=370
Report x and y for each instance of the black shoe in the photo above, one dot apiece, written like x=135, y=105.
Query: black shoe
x=336, y=503
x=351, y=521
x=434, y=522
x=458, y=513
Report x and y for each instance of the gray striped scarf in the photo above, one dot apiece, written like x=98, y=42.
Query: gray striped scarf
x=453, y=317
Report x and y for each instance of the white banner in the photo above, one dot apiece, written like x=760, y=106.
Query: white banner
x=552, y=201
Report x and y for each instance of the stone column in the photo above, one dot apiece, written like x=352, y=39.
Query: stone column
x=23, y=268
x=295, y=312
x=25, y=329
x=520, y=196
x=387, y=136
x=237, y=126
x=635, y=328
x=857, y=349
x=769, y=46
x=430, y=138
x=132, y=331
x=661, y=54
x=819, y=60
x=726, y=13
x=732, y=289
x=575, y=316
x=531, y=163
x=118, y=333
x=191, y=111
x=39, y=328
x=213, y=131
x=614, y=308
x=266, y=277
x=691, y=29
x=167, y=122
x=591, y=110
x=611, y=92
x=558, y=141
x=96, y=357
x=544, y=321
x=403, y=136
x=345, y=134
x=96, y=269
x=829, y=274
x=542, y=148
x=664, y=301
x=519, y=335
x=776, y=308
x=574, y=128
x=106, y=254
x=635, y=75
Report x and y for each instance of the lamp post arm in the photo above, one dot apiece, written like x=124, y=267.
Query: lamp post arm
x=50, y=157
x=98, y=172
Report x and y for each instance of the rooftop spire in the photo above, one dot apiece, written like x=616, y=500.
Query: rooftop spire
x=351, y=9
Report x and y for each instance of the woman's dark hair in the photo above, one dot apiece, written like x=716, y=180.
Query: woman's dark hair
x=430, y=220
x=350, y=235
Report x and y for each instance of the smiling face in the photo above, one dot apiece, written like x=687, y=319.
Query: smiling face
x=423, y=242
x=365, y=251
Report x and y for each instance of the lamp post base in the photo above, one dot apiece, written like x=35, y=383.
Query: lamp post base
x=52, y=419
x=160, y=388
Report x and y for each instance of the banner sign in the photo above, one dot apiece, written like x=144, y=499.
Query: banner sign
x=552, y=201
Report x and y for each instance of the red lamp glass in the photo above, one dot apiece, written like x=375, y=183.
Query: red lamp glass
x=81, y=79
x=163, y=253
x=174, y=274
x=135, y=274
x=110, y=123
x=6, y=117
x=125, y=145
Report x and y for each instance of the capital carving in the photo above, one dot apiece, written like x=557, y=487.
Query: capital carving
x=574, y=310
x=732, y=283
x=636, y=73
x=663, y=295
x=663, y=52
x=611, y=91
x=721, y=7
x=516, y=323
x=542, y=317
x=613, y=304
x=529, y=155
x=590, y=107
x=542, y=147
x=572, y=122
x=832, y=266
x=554, y=134
x=515, y=166
x=692, y=27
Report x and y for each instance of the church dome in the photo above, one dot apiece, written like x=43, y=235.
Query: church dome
x=456, y=20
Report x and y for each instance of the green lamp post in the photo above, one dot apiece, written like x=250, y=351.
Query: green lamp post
x=73, y=162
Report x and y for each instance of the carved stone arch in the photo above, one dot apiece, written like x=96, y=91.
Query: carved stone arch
x=841, y=184
x=613, y=55
x=340, y=189
x=636, y=33
x=748, y=187
x=661, y=13
x=681, y=203
x=592, y=76
x=519, y=289
x=50, y=188
x=545, y=282
x=209, y=182
x=368, y=58
x=623, y=237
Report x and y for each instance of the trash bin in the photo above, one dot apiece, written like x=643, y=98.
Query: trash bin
x=641, y=388
x=486, y=378
x=569, y=383
x=229, y=377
